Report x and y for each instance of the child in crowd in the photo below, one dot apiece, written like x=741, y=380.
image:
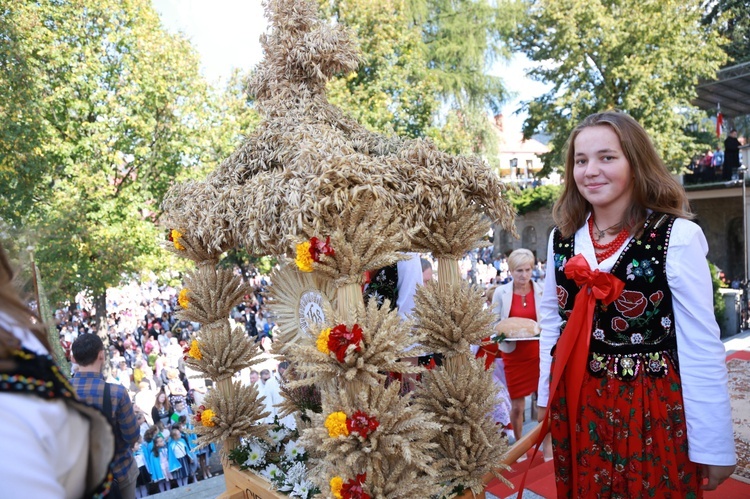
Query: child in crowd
x=166, y=464
x=191, y=439
x=144, y=477
x=179, y=449
x=638, y=391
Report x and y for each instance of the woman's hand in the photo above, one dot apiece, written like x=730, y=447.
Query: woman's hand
x=541, y=413
x=716, y=475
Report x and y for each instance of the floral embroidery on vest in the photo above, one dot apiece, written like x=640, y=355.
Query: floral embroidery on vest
x=635, y=333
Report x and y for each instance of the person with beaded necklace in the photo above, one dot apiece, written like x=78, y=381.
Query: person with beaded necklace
x=633, y=383
x=54, y=444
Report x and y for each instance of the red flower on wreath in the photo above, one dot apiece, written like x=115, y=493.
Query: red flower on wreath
x=361, y=423
x=199, y=413
x=631, y=304
x=318, y=247
x=562, y=297
x=352, y=489
x=340, y=338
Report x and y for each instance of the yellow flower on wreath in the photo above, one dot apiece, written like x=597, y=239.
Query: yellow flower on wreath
x=322, y=342
x=207, y=418
x=175, y=238
x=304, y=259
x=336, y=424
x=337, y=483
x=195, y=350
x=183, y=299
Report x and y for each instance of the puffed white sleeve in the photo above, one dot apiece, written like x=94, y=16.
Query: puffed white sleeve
x=550, y=323
x=409, y=277
x=701, y=354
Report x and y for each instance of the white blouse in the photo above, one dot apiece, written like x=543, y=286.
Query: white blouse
x=701, y=354
x=45, y=443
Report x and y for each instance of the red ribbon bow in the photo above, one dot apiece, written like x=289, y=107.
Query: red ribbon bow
x=573, y=346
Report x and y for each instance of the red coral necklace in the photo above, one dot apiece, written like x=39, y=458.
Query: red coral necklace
x=604, y=251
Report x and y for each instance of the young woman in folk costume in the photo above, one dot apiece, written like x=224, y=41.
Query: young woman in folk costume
x=632, y=367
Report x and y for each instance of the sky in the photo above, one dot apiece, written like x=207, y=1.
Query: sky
x=225, y=33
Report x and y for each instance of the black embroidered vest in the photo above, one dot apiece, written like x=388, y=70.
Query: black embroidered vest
x=383, y=286
x=635, y=332
x=31, y=374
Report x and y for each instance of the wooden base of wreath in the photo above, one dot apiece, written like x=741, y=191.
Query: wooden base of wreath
x=246, y=485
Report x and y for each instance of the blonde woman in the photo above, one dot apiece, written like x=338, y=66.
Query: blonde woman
x=520, y=298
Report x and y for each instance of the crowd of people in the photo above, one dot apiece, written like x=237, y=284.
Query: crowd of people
x=718, y=165
x=147, y=343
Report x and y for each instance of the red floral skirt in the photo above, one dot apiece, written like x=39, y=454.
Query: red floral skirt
x=631, y=438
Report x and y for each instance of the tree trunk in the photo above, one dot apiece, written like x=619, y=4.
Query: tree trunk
x=100, y=317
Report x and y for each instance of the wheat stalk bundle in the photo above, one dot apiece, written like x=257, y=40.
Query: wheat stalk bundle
x=235, y=413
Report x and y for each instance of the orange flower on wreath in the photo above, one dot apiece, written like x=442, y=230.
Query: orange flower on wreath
x=204, y=416
x=183, y=299
x=337, y=483
x=322, y=341
x=174, y=237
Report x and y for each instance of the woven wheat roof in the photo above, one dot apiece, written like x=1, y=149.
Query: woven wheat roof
x=307, y=161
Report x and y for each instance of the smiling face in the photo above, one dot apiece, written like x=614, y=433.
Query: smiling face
x=601, y=171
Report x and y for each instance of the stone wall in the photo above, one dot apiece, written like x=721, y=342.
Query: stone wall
x=720, y=219
x=533, y=230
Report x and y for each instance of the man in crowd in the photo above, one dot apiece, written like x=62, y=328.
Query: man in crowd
x=731, y=155
x=88, y=352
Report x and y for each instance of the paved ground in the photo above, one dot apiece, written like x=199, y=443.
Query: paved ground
x=212, y=487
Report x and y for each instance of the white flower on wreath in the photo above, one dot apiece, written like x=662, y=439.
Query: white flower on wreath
x=256, y=455
x=271, y=472
x=293, y=450
x=294, y=475
x=277, y=435
x=636, y=339
x=666, y=322
x=599, y=334
x=301, y=489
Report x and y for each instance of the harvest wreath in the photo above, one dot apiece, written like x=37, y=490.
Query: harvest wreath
x=333, y=201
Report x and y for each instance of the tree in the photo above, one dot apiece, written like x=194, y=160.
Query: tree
x=730, y=18
x=424, y=68
x=392, y=91
x=642, y=57
x=102, y=110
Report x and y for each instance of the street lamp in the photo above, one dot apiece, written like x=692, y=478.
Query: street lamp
x=742, y=170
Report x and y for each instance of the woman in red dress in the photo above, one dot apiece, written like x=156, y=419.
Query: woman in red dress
x=519, y=298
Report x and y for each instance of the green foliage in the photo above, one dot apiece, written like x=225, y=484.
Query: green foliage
x=730, y=19
x=249, y=265
x=424, y=68
x=463, y=38
x=532, y=199
x=642, y=57
x=719, y=304
x=392, y=91
x=102, y=110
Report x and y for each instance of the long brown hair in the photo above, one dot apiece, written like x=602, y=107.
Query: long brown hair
x=12, y=304
x=167, y=404
x=654, y=188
